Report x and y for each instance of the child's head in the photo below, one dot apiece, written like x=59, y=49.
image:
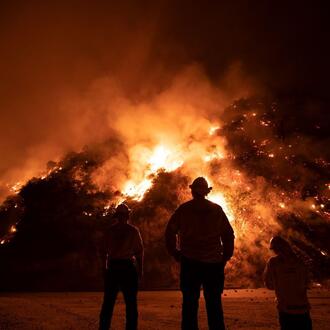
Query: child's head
x=280, y=246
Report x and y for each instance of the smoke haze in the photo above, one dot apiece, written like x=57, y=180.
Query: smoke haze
x=55, y=55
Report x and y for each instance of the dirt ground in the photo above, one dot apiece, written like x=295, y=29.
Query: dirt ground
x=243, y=309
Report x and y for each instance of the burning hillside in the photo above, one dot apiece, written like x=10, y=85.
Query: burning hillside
x=269, y=172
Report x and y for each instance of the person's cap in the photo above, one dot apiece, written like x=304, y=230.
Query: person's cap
x=200, y=185
x=122, y=209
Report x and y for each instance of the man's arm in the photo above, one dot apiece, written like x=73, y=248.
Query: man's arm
x=171, y=232
x=139, y=255
x=227, y=237
x=268, y=276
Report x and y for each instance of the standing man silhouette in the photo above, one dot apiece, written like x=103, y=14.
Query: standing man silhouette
x=200, y=237
x=124, y=264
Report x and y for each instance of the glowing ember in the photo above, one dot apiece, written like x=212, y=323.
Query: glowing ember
x=213, y=129
x=16, y=187
x=281, y=205
x=2, y=242
x=88, y=214
x=13, y=229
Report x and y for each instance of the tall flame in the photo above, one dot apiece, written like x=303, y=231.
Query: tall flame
x=160, y=157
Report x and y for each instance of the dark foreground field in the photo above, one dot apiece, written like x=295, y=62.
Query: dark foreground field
x=244, y=309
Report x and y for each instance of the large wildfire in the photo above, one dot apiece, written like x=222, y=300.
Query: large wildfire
x=268, y=172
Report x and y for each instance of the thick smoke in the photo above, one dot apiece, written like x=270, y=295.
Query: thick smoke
x=52, y=53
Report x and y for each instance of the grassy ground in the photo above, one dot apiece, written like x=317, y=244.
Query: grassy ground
x=244, y=309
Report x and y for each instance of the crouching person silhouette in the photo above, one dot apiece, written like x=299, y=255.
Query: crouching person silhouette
x=124, y=265
x=288, y=276
x=200, y=237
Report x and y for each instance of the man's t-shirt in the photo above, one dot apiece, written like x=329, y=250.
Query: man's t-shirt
x=203, y=230
x=123, y=241
x=289, y=278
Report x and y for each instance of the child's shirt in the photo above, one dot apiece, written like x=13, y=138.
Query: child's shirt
x=289, y=278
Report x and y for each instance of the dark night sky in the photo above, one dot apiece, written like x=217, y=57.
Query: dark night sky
x=50, y=49
x=284, y=44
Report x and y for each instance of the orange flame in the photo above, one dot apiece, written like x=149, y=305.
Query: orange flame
x=168, y=158
x=160, y=157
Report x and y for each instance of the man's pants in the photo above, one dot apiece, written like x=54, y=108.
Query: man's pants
x=295, y=321
x=120, y=275
x=195, y=274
